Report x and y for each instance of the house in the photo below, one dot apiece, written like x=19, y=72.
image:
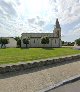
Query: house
x=12, y=42
x=35, y=38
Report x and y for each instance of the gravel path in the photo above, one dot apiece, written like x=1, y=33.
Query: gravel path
x=37, y=79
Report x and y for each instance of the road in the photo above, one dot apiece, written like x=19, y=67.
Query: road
x=71, y=87
x=38, y=79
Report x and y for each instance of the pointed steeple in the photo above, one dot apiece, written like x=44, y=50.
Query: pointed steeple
x=57, y=24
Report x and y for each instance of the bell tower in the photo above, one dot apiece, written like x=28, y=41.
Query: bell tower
x=57, y=31
x=57, y=28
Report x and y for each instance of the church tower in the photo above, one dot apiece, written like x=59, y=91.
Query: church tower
x=57, y=31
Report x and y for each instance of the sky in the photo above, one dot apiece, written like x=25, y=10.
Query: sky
x=25, y=16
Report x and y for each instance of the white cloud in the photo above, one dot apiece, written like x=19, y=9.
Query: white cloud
x=71, y=34
x=67, y=11
x=76, y=31
x=77, y=26
x=18, y=16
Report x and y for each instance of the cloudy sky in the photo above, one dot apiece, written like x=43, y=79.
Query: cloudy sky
x=18, y=16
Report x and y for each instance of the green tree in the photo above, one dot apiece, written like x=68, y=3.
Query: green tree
x=3, y=42
x=72, y=44
x=17, y=38
x=26, y=41
x=62, y=42
x=18, y=41
x=45, y=40
x=77, y=41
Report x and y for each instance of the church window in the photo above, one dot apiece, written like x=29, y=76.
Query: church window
x=34, y=40
x=55, y=41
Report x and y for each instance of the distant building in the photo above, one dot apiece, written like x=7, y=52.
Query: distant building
x=35, y=38
x=12, y=42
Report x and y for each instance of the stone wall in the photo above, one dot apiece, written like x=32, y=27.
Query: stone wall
x=41, y=63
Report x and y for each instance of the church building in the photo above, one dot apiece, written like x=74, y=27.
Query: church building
x=35, y=38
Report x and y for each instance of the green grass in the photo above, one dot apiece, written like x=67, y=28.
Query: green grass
x=14, y=55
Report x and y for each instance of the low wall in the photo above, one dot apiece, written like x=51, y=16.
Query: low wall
x=41, y=63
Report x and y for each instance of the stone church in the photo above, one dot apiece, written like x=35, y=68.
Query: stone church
x=35, y=38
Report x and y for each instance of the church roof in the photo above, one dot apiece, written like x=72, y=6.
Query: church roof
x=39, y=35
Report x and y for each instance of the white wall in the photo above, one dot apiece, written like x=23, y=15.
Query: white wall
x=12, y=42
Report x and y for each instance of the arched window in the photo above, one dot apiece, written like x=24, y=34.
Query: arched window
x=55, y=41
x=34, y=40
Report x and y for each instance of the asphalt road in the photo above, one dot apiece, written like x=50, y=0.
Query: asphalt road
x=71, y=87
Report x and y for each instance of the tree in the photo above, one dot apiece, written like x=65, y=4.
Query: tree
x=17, y=38
x=3, y=41
x=18, y=41
x=77, y=41
x=45, y=40
x=72, y=44
x=62, y=42
x=26, y=41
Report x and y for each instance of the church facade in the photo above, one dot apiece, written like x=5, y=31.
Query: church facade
x=35, y=38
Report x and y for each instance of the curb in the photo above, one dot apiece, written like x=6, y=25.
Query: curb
x=66, y=81
x=37, y=64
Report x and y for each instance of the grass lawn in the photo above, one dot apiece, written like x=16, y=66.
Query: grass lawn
x=14, y=55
